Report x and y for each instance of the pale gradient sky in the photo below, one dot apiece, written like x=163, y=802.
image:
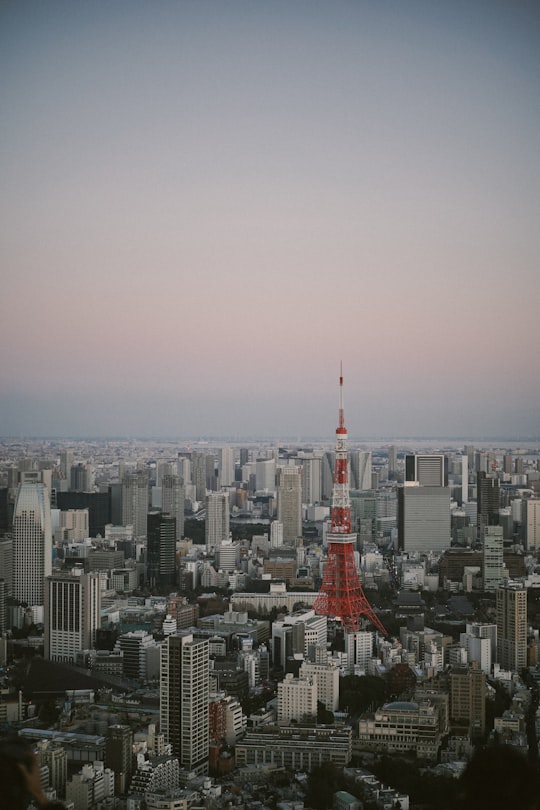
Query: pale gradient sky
x=207, y=205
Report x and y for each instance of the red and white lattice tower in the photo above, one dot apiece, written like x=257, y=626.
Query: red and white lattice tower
x=341, y=594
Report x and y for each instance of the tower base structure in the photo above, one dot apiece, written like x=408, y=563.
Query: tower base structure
x=341, y=594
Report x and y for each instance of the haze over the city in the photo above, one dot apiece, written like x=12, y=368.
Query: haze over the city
x=208, y=205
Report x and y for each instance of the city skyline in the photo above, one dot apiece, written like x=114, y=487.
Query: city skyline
x=207, y=206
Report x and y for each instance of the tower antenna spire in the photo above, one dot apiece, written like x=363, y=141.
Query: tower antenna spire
x=341, y=594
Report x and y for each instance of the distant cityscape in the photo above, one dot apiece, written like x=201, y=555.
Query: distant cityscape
x=225, y=623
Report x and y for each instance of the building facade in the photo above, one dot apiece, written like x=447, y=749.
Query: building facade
x=72, y=614
x=184, y=689
x=32, y=543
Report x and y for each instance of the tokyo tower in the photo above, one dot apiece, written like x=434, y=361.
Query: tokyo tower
x=341, y=594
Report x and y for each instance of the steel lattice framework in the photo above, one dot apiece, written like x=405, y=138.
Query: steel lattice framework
x=341, y=594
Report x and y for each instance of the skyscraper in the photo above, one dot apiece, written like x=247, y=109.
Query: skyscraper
x=226, y=466
x=492, y=557
x=119, y=756
x=427, y=469
x=198, y=474
x=531, y=523
x=173, y=496
x=72, y=614
x=184, y=686
x=488, y=497
x=135, y=501
x=289, y=502
x=511, y=606
x=32, y=543
x=423, y=518
x=161, y=549
x=217, y=519
x=360, y=461
x=311, y=479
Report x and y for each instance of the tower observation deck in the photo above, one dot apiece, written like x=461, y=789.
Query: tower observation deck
x=341, y=595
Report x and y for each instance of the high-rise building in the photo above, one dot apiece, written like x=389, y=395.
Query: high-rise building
x=226, y=466
x=184, y=688
x=228, y=555
x=265, y=474
x=276, y=534
x=198, y=474
x=135, y=501
x=423, y=518
x=468, y=701
x=511, y=606
x=217, y=519
x=6, y=563
x=97, y=503
x=161, y=549
x=289, y=502
x=492, y=557
x=427, y=469
x=32, y=543
x=488, y=498
x=531, y=523
x=53, y=754
x=360, y=461
x=72, y=614
x=173, y=497
x=66, y=463
x=392, y=462
x=311, y=479
x=297, y=699
x=82, y=478
x=119, y=756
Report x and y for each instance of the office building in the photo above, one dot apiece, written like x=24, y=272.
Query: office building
x=265, y=474
x=289, y=502
x=295, y=747
x=135, y=501
x=203, y=473
x=511, y=607
x=6, y=563
x=226, y=466
x=392, y=462
x=423, y=518
x=161, y=549
x=172, y=499
x=32, y=543
x=66, y=463
x=82, y=478
x=228, y=555
x=72, y=614
x=360, y=467
x=97, y=503
x=184, y=689
x=427, y=470
x=217, y=519
x=488, y=500
x=311, y=480
x=468, y=701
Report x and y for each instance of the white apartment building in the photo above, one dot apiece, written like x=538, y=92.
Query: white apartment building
x=297, y=698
